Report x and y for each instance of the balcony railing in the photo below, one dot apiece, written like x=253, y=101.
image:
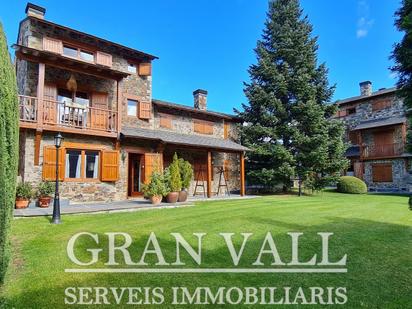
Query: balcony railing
x=63, y=114
x=386, y=150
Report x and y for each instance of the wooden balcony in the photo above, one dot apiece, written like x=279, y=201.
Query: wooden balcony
x=66, y=117
x=382, y=151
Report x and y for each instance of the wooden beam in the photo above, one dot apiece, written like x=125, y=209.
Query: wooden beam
x=119, y=107
x=37, y=141
x=209, y=174
x=40, y=94
x=242, y=174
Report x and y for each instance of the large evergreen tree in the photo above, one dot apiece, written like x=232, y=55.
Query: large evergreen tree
x=402, y=54
x=8, y=149
x=288, y=123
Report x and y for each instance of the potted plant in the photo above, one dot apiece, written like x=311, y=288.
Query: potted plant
x=24, y=192
x=186, y=174
x=44, y=193
x=156, y=188
x=174, y=181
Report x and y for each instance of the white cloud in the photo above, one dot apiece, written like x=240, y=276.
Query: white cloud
x=364, y=23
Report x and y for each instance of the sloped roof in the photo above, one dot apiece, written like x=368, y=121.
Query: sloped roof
x=365, y=97
x=379, y=123
x=191, y=109
x=169, y=137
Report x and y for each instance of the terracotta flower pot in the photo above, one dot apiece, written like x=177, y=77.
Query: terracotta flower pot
x=183, y=196
x=22, y=203
x=172, y=197
x=156, y=199
x=44, y=201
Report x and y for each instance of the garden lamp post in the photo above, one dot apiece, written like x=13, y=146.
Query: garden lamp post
x=56, y=204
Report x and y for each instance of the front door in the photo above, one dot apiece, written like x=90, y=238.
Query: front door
x=136, y=174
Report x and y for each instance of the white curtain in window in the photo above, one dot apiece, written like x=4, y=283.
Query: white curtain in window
x=96, y=167
x=67, y=169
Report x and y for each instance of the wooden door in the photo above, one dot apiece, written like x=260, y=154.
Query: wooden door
x=99, y=116
x=384, y=145
x=136, y=173
x=50, y=108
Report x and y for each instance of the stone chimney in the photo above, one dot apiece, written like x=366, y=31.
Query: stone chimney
x=365, y=88
x=35, y=10
x=200, y=97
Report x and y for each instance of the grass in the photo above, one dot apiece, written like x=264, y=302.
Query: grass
x=375, y=231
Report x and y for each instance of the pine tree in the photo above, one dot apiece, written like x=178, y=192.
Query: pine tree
x=402, y=54
x=8, y=150
x=288, y=123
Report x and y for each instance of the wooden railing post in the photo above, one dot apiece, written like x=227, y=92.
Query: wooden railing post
x=242, y=174
x=40, y=95
x=209, y=174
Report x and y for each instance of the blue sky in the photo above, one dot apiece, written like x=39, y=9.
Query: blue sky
x=209, y=43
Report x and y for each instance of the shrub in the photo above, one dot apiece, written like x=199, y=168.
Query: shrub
x=46, y=188
x=186, y=173
x=156, y=186
x=350, y=184
x=175, y=183
x=9, y=138
x=24, y=190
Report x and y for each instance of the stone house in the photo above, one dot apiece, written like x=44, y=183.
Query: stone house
x=98, y=94
x=376, y=131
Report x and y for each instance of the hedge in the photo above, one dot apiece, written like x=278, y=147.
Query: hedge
x=9, y=137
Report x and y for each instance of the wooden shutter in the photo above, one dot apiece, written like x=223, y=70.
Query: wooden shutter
x=50, y=103
x=153, y=162
x=110, y=165
x=49, y=163
x=98, y=113
x=145, y=69
x=203, y=127
x=145, y=110
x=103, y=59
x=382, y=172
x=381, y=104
x=226, y=128
x=358, y=169
x=52, y=45
x=165, y=121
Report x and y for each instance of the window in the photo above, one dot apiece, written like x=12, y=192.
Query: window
x=64, y=96
x=132, y=107
x=82, y=98
x=82, y=164
x=351, y=111
x=69, y=51
x=73, y=163
x=203, y=127
x=92, y=164
x=78, y=53
x=165, y=121
x=381, y=104
x=131, y=68
x=382, y=172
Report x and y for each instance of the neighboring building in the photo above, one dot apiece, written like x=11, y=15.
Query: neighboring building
x=376, y=130
x=98, y=94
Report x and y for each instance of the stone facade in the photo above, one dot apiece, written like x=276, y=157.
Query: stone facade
x=361, y=110
x=134, y=87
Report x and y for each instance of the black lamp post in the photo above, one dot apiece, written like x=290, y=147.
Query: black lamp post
x=56, y=204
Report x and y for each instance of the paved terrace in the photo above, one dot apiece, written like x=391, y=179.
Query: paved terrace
x=118, y=206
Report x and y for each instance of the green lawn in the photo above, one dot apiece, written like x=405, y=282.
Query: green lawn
x=375, y=231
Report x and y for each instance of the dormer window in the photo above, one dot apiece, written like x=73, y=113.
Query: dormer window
x=131, y=68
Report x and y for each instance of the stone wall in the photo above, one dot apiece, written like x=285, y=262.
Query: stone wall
x=399, y=175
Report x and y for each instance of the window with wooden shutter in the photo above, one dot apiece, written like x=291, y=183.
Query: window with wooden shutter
x=203, y=127
x=381, y=104
x=103, y=59
x=165, y=121
x=49, y=163
x=153, y=162
x=382, y=172
x=145, y=69
x=226, y=128
x=110, y=165
x=144, y=110
x=52, y=45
